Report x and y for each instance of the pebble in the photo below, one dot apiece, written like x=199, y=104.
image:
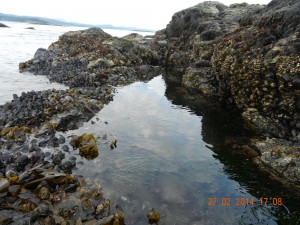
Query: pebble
x=65, y=148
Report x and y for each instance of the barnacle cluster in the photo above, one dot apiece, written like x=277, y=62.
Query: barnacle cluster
x=288, y=65
x=254, y=81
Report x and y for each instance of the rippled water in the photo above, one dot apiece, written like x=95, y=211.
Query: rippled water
x=170, y=155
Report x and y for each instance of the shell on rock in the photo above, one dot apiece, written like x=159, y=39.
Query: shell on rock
x=11, y=173
x=44, y=193
x=28, y=206
x=4, y=184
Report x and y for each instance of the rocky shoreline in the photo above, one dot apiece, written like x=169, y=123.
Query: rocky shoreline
x=36, y=159
x=245, y=56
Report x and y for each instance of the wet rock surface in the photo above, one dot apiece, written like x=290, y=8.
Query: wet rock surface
x=33, y=108
x=37, y=185
x=281, y=156
x=243, y=55
x=86, y=144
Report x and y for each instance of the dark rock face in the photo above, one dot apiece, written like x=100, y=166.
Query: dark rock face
x=191, y=37
x=260, y=64
x=193, y=32
x=245, y=55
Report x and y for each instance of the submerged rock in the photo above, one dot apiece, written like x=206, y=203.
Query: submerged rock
x=153, y=217
x=87, y=145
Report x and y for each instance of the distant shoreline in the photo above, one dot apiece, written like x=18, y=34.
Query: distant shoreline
x=58, y=22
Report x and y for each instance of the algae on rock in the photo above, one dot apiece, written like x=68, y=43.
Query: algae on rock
x=87, y=145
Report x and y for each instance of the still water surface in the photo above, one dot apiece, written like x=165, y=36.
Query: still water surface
x=169, y=156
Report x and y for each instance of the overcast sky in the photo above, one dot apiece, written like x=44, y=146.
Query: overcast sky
x=151, y=14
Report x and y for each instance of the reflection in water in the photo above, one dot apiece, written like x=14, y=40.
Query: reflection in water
x=170, y=157
x=223, y=122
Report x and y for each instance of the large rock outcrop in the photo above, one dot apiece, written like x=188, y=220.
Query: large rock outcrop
x=248, y=56
x=91, y=58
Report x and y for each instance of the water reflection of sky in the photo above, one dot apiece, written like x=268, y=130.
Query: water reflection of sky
x=161, y=161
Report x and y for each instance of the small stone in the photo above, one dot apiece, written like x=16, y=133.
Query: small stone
x=53, y=142
x=13, y=189
x=22, y=161
x=67, y=166
x=15, y=96
x=34, y=148
x=44, y=193
x=65, y=148
x=43, y=144
x=57, y=159
x=61, y=139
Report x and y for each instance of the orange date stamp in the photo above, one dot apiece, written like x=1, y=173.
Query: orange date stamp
x=227, y=201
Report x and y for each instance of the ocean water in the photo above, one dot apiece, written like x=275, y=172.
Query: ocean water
x=169, y=153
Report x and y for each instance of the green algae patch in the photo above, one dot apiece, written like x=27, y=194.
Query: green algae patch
x=86, y=144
